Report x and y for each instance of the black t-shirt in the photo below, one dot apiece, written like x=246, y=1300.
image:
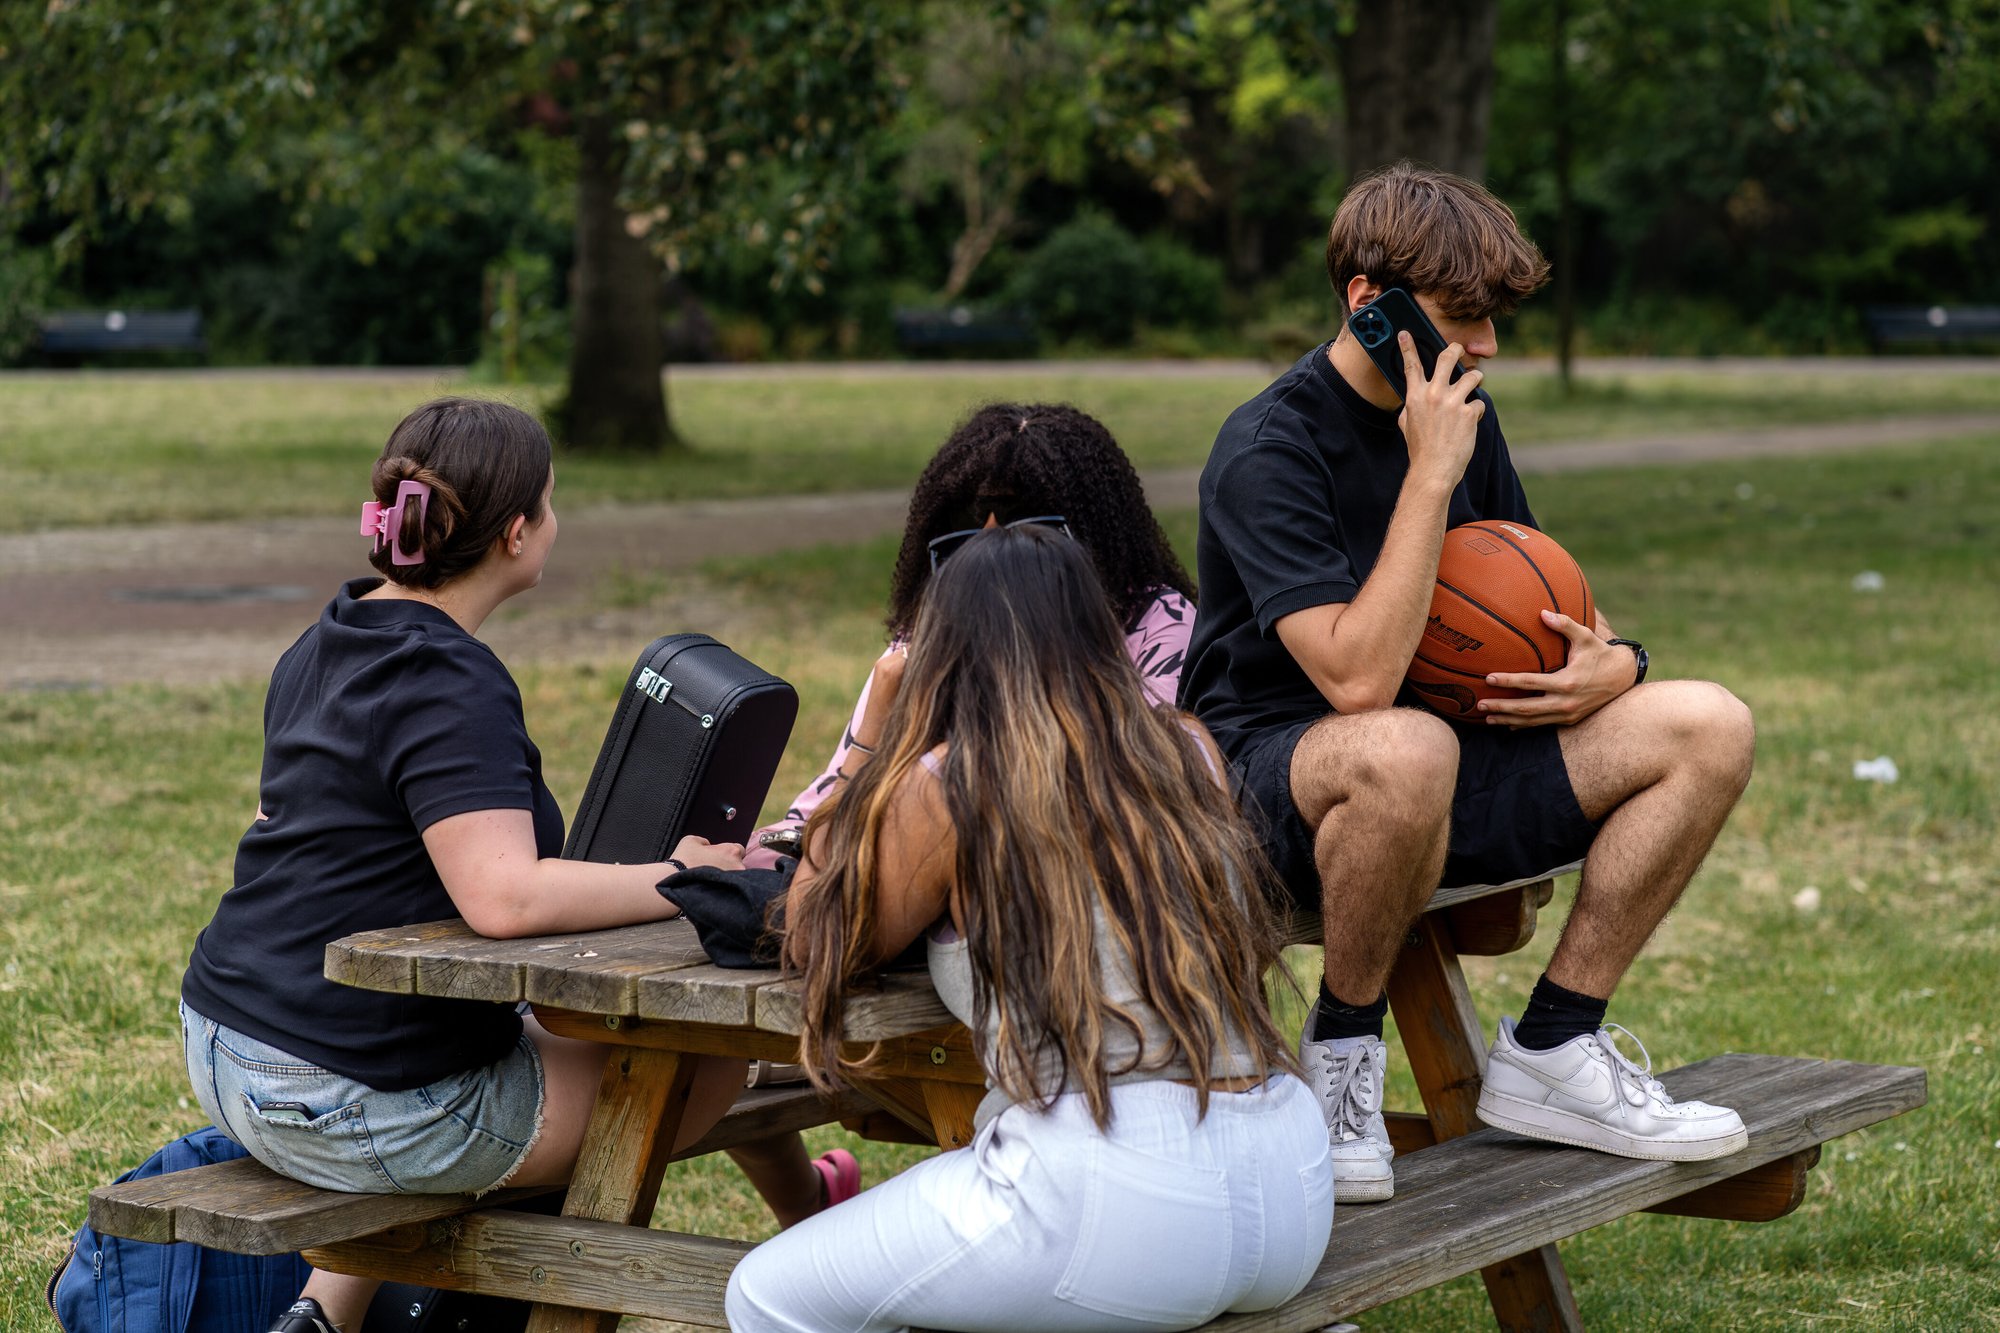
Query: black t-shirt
x=1295, y=503
x=384, y=718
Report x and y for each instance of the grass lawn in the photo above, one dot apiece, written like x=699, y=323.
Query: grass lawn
x=121, y=811
x=108, y=448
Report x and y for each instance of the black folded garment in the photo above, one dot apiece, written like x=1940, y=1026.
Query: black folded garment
x=739, y=915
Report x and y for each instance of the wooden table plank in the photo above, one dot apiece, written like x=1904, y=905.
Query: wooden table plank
x=704, y=993
x=599, y=1266
x=242, y=1207
x=604, y=974
x=898, y=1004
x=386, y=960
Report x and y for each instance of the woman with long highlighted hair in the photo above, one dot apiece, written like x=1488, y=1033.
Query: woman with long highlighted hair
x=1089, y=905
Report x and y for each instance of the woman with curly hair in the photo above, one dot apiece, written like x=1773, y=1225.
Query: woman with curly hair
x=1009, y=463
x=1003, y=801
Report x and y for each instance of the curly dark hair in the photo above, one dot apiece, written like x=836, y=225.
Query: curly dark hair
x=1019, y=461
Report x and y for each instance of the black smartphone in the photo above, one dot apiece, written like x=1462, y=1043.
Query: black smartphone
x=1376, y=326
x=289, y=1113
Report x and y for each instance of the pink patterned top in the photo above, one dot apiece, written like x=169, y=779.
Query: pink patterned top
x=1157, y=645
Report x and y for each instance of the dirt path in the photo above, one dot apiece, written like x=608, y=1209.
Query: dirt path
x=188, y=603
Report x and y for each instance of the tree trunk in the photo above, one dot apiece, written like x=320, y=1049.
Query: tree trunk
x=1417, y=79
x=617, y=395
x=986, y=221
x=1565, y=265
x=971, y=248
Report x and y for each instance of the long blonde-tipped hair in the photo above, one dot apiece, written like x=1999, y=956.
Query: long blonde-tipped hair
x=1069, y=796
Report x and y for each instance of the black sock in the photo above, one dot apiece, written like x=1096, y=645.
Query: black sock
x=1555, y=1015
x=1337, y=1018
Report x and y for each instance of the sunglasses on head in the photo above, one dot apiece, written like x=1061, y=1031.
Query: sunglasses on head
x=942, y=548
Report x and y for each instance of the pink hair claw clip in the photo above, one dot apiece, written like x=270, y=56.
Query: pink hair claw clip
x=385, y=522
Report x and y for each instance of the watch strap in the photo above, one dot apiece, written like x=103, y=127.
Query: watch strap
x=1638, y=653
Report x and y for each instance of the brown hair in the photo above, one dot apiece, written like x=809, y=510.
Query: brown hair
x=485, y=462
x=1071, y=799
x=1435, y=234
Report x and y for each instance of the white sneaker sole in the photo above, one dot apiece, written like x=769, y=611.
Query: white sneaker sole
x=1536, y=1121
x=1361, y=1182
x=1364, y=1191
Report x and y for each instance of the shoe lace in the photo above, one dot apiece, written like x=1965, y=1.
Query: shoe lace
x=1636, y=1084
x=1350, y=1091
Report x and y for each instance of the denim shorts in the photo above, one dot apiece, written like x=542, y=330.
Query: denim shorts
x=465, y=1133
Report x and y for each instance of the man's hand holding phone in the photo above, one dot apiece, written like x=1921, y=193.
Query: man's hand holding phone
x=1440, y=417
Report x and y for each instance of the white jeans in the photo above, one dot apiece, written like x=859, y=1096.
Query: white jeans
x=1043, y=1223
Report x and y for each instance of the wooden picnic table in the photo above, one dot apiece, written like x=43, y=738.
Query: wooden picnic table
x=1471, y=1198
x=651, y=993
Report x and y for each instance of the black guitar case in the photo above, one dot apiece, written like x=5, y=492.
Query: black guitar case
x=692, y=749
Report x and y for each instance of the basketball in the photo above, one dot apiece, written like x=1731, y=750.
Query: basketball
x=1494, y=580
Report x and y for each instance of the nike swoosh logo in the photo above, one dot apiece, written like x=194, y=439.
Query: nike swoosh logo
x=1596, y=1088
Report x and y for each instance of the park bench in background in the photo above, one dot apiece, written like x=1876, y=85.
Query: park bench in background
x=1936, y=324
x=1467, y=1199
x=962, y=329
x=66, y=336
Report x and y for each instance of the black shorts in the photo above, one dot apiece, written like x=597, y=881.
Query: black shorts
x=1513, y=812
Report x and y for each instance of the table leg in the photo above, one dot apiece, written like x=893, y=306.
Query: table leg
x=951, y=1106
x=1447, y=1049
x=623, y=1158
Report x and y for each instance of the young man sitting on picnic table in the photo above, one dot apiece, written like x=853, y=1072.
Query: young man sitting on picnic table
x=1323, y=510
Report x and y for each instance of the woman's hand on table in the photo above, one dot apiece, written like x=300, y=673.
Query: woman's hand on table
x=692, y=851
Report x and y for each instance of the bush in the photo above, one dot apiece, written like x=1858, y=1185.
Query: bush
x=25, y=279
x=1182, y=289
x=1087, y=280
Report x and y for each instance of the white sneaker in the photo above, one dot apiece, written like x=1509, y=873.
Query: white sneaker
x=1586, y=1093
x=1348, y=1082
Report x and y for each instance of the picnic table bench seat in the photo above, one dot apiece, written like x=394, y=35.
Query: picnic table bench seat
x=246, y=1208
x=1468, y=1198
x=1459, y=1206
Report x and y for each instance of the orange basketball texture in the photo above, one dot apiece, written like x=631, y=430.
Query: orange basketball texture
x=1494, y=581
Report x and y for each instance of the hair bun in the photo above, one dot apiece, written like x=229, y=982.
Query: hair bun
x=390, y=471
x=486, y=463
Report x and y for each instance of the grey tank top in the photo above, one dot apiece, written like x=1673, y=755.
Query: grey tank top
x=951, y=974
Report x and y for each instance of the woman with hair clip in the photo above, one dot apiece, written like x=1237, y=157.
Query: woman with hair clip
x=1006, y=463
x=1088, y=897
x=398, y=786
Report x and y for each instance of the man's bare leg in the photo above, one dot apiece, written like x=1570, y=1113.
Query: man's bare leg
x=1376, y=789
x=1662, y=766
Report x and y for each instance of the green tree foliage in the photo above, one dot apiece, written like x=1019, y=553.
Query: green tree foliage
x=1085, y=281
x=1746, y=173
x=1257, y=144
x=994, y=107
x=690, y=125
x=1782, y=163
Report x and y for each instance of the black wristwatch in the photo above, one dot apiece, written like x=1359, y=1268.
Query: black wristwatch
x=1638, y=651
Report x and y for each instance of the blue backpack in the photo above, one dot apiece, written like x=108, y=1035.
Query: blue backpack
x=111, y=1285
